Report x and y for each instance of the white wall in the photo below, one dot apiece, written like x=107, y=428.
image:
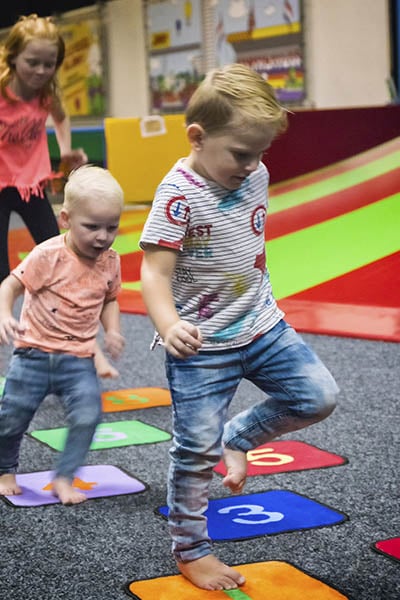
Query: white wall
x=346, y=46
x=127, y=59
x=347, y=52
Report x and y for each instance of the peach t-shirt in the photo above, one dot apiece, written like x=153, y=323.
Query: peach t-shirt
x=24, y=154
x=64, y=297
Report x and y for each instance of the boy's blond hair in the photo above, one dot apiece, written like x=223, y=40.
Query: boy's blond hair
x=235, y=94
x=91, y=181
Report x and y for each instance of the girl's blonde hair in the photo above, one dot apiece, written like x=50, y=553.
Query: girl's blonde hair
x=26, y=29
x=235, y=94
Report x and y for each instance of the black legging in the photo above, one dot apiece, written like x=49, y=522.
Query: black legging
x=37, y=215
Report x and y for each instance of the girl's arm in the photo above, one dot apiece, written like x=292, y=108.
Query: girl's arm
x=10, y=289
x=62, y=128
x=181, y=339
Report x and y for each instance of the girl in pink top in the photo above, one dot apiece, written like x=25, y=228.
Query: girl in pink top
x=29, y=60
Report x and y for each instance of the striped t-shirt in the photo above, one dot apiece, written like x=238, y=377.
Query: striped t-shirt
x=221, y=282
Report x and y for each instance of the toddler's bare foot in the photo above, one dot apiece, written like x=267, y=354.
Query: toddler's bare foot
x=8, y=485
x=103, y=367
x=63, y=489
x=236, y=466
x=211, y=574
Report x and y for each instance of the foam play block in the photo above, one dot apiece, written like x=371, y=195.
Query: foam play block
x=272, y=580
x=141, y=151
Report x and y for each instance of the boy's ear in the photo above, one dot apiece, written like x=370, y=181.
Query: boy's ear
x=63, y=219
x=195, y=134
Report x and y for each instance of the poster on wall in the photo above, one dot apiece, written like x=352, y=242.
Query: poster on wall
x=175, y=53
x=266, y=35
x=283, y=69
x=81, y=75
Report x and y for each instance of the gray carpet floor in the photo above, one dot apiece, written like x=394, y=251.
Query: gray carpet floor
x=91, y=551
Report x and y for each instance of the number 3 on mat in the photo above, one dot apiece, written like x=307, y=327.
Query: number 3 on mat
x=252, y=510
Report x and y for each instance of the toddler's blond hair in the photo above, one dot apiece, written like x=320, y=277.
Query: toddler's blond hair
x=237, y=95
x=90, y=181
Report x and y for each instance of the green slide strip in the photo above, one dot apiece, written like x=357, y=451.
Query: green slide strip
x=136, y=286
x=308, y=193
x=311, y=256
x=126, y=243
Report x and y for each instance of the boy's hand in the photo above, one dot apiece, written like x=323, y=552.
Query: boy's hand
x=183, y=339
x=114, y=343
x=10, y=328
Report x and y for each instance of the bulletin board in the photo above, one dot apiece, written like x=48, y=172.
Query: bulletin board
x=175, y=41
x=267, y=36
x=82, y=76
x=184, y=36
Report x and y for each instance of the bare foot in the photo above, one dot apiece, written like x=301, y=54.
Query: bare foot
x=8, y=485
x=236, y=466
x=209, y=573
x=63, y=489
x=103, y=367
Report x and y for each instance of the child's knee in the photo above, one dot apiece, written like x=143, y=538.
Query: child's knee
x=327, y=406
x=325, y=391
x=324, y=401
x=85, y=419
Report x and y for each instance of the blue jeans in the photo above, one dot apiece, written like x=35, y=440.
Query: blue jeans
x=299, y=391
x=32, y=375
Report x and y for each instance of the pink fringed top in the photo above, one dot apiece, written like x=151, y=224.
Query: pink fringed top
x=24, y=154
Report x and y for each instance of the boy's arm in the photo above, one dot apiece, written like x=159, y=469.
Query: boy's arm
x=113, y=340
x=10, y=289
x=181, y=339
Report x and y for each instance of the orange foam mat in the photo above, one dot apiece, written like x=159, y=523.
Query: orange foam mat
x=272, y=580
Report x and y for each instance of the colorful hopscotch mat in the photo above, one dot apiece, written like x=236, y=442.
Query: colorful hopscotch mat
x=266, y=513
x=389, y=547
x=97, y=481
x=135, y=398
x=272, y=580
x=280, y=457
x=108, y=435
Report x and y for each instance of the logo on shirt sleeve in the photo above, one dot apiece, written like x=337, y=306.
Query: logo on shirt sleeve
x=177, y=211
